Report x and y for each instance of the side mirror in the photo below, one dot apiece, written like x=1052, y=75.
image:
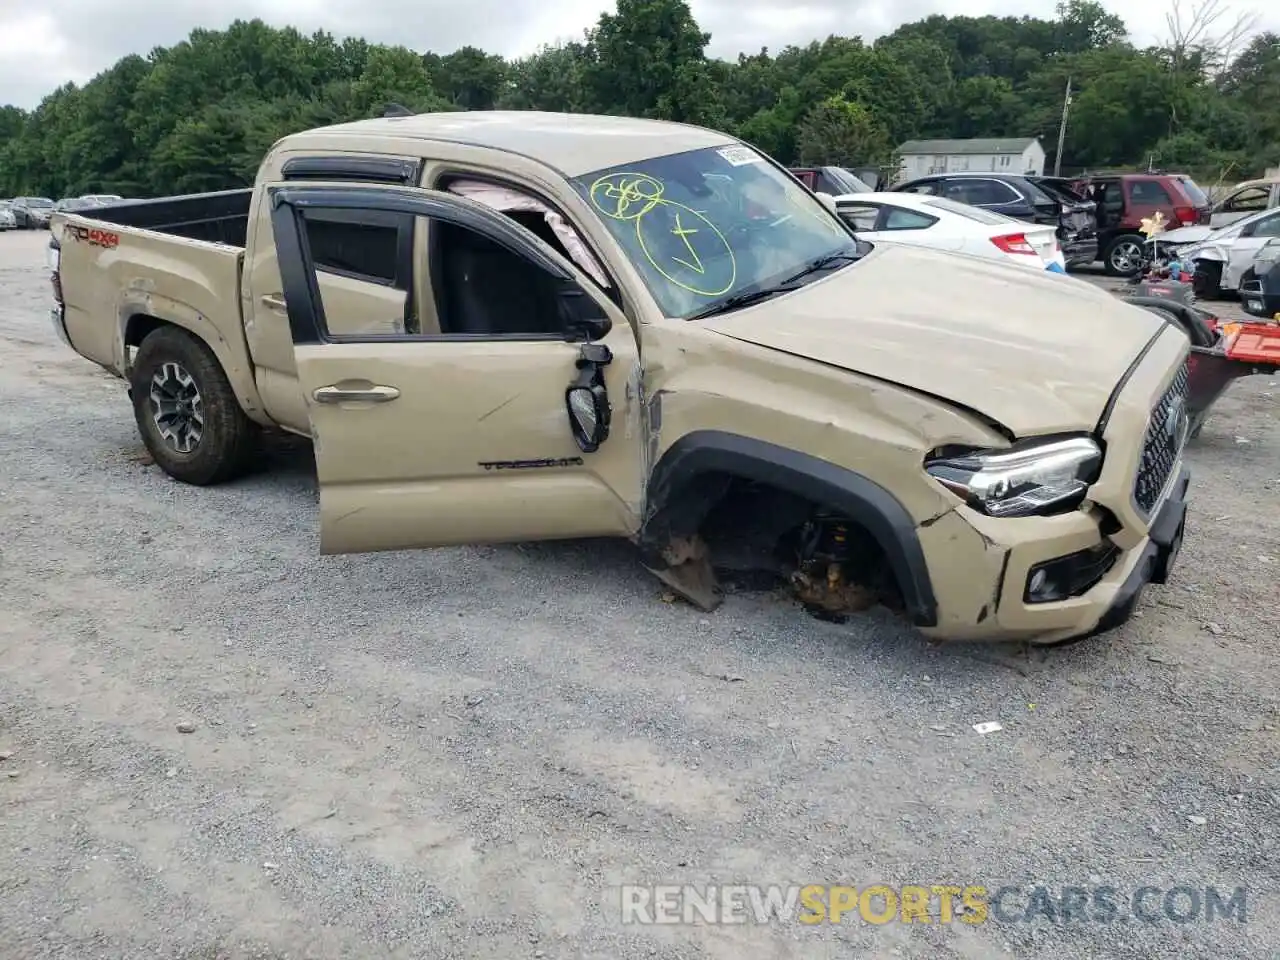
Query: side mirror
x=584, y=319
x=587, y=398
x=827, y=199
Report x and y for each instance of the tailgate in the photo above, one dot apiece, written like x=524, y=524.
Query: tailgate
x=109, y=273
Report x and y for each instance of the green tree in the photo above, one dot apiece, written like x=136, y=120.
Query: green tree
x=840, y=132
x=648, y=60
x=200, y=114
x=469, y=78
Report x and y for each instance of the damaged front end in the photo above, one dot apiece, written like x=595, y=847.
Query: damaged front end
x=759, y=537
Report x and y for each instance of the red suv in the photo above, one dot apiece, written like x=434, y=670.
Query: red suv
x=1124, y=200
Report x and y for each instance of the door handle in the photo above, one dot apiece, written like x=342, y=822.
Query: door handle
x=336, y=394
x=274, y=301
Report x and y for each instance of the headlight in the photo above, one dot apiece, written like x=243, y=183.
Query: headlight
x=1034, y=477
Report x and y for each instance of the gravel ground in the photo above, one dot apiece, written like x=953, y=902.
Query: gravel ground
x=460, y=753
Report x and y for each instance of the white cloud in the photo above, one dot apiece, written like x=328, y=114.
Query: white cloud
x=71, y=40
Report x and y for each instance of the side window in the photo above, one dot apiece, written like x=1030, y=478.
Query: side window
x=860, y=216
x=1149, y=192
x=482, y=288
x=1251, y=199
x=806, y=177
x=1266, y=227
x=362, y=245
x=364, y=270
x=979, y=192
x=898, y=219
x=929, y=186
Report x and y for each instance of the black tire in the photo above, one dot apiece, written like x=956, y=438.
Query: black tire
x=1206, y=282
x=1127, y=248
x=174, y=363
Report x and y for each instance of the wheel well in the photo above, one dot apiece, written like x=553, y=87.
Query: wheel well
x=141, y=325
x=755, y=504
x=754, y=526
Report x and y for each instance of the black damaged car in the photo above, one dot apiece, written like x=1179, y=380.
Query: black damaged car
x=1042, y=200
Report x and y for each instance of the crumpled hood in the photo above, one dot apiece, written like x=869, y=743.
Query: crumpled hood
x=1184, y=235
x=1039, y=353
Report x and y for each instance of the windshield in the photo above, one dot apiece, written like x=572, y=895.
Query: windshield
x=39, y=202
x=708, y=225
x=965, y=210
x=1194, y=193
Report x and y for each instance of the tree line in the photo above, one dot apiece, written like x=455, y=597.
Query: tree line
x=200, y=115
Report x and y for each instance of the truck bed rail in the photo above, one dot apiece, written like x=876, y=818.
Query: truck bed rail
x=219, y=217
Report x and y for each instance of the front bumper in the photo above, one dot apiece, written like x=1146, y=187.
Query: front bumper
x=1006, y=613
x=1095, y=559
x=1154, y=561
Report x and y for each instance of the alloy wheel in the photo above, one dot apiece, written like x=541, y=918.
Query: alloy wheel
x=176, y=407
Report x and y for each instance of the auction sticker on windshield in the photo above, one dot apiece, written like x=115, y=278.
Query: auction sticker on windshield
x=739, y=156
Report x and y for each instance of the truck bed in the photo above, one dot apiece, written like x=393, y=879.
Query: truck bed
x=177, y=259
x=220, y=217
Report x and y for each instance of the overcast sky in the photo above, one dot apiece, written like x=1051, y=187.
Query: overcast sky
x=44, y=43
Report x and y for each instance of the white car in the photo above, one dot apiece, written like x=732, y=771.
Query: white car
x=1223, y=258
x=942, y=224
x=7, y=220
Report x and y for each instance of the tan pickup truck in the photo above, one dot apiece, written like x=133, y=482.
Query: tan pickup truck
x=519, y=326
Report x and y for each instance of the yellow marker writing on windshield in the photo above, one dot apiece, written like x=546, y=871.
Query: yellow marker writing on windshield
x=638, y=198
x=684, y=233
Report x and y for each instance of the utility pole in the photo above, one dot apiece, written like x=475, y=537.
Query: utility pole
x=1062, y=131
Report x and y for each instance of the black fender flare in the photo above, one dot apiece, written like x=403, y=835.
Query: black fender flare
x=714, y=452
x=1189, y=319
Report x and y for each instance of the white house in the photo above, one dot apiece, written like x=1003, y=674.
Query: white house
x=920, y=158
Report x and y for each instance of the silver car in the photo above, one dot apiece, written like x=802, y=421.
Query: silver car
x=7, y=220
x=1223, y=258
x=32, y=213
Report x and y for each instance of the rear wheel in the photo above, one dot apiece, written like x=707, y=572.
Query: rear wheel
x=186, y=411
x=1124, y=256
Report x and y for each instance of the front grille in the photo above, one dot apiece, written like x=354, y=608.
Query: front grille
x=1166, y=432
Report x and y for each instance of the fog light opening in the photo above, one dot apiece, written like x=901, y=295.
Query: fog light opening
x=1069, y=576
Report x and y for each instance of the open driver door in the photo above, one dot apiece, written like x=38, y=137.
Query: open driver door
x=519, y=419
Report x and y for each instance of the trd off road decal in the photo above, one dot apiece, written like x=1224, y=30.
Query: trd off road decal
x=97, y=238
x=531, y=464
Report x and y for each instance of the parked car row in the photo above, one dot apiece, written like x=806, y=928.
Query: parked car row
x=1021, y=198
x=33, y=213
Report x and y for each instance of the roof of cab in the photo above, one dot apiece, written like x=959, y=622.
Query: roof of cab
x=572, y=143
